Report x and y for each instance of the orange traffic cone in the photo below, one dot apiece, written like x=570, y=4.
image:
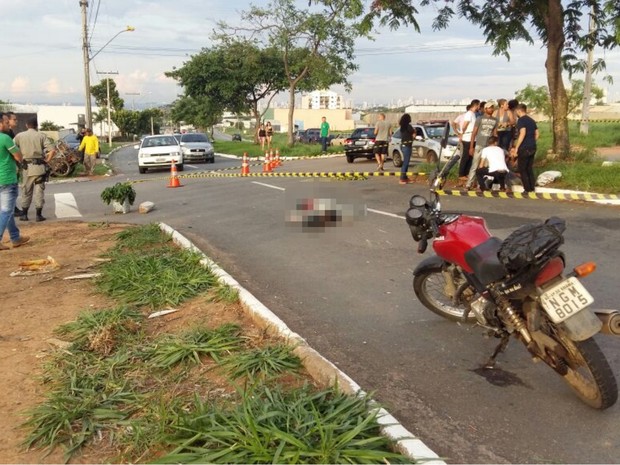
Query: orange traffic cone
x=266, y=164
x=278, y=161
x=272, y=160
x=174, y=175
x=245, y=166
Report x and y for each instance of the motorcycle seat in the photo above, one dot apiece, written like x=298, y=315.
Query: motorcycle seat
x=484, y=262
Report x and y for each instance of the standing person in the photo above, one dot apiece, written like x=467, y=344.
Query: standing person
x=484, y=127
x=262, y=137
x=467, y=129
x=9, y=157
x=37, y=150
x=11, y=124
x=457, y=127
x=492, y=163
x=512, y=106
x=90, y=146
x=506, y=121
x=324, y=134
x=268, y=133
x=383, y=131
x=406, y=143
x=525, y=148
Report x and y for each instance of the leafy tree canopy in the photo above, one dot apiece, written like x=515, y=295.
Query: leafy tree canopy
x=100, y=92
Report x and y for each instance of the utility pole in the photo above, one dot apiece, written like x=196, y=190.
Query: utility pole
x=89, y=110
x=109, y=104
x=584, y=126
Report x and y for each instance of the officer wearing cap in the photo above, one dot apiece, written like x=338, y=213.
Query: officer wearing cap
x=37, y=150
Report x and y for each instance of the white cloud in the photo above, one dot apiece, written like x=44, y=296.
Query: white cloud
x=52, y=86
x=20, y=85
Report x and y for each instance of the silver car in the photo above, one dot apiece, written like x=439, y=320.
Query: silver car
x=426, y=146
x=196, y=147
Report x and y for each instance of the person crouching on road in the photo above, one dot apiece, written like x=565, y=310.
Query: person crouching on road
x=9, y=158
x=90, y=146
x=492, y=168
x=37, y=150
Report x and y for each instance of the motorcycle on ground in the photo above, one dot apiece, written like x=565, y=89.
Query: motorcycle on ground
x=515, y=287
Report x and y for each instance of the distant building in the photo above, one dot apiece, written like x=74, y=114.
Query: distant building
x=323, y=100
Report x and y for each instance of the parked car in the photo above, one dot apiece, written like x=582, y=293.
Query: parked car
x=196, y=147
x=311, y=136
x=338, y=139
x=425, y=147
x=236, y=137
x=360, y=144
x=297, y=135
x=158, y=152
x=72, y=141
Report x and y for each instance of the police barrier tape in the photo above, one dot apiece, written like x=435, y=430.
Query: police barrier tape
x=529, y=195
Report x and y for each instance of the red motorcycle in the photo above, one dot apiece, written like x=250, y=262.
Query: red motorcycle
x=515, y=287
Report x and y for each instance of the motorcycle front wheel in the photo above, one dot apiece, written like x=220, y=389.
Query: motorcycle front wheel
x=445, y=292
x=584, y=368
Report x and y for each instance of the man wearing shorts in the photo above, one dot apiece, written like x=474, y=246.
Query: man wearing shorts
x=383, y=131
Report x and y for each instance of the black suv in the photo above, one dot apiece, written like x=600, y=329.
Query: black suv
x=310, y=136
x=361, y=143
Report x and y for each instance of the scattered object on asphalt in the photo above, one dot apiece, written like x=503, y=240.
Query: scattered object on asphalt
x=83, y=276
x=163, y=312
x=39, y=266
x=146, y=207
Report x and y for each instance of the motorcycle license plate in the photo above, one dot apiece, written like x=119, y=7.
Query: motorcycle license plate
x=565, y=299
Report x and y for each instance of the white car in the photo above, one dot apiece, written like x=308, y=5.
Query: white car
x=426, y=146
x=158, y=152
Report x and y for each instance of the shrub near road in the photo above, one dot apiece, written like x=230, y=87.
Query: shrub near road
x=201, y=385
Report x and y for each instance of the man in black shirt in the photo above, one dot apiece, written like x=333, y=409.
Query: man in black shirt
x=524, y=148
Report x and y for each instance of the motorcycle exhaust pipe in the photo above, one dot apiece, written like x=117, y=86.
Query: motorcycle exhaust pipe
x=611, y=321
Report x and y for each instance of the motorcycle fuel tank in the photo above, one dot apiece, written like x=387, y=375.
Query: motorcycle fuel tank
x=459, y=236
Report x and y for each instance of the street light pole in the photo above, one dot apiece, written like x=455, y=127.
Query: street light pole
x=87, y=59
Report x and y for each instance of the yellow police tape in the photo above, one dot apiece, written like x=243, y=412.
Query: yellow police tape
x=529, y=195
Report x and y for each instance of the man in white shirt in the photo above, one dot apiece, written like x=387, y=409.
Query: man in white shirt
x=467, y=127
x=492, y=168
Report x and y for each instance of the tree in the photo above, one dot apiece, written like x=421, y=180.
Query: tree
x=100, y=92
x=538, y=99
x=558, y=25
x=235, y=75
x=315, y=48
x=49, y=126
x=126, y=121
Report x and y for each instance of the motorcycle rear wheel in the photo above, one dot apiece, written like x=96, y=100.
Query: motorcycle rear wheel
x=587, y=371
x=444, y=292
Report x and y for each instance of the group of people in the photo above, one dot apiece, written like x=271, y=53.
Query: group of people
x=493, y=135
x=265, y=134
x=24, y=159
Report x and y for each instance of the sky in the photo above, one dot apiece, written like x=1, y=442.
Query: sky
x=42, y=58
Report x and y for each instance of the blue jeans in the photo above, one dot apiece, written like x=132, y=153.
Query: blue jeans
x=406, y=149
x=8, y=198
x=324, y=144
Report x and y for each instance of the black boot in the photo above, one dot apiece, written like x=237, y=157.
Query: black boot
x=24, y=216
x=17, y=212
x=39, y=216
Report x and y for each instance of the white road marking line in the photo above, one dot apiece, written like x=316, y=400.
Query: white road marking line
x=66, y=206
x=372, y=210
x=379, y=212
x=268, y=185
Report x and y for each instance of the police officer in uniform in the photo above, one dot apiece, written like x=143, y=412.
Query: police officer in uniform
x=37, y=150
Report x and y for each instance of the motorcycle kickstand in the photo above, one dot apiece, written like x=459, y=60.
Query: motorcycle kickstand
x=498, y=350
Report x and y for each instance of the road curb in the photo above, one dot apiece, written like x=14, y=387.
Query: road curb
x=318, y=366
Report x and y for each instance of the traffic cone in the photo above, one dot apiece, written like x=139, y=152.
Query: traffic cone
x=245, y=165
x=278, y=161
x=272, y=160
x=266, y=163
x=174, y=175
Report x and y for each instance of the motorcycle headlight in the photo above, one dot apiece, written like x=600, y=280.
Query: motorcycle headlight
x=415, y=216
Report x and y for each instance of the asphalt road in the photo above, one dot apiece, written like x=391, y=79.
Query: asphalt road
x=348, y=292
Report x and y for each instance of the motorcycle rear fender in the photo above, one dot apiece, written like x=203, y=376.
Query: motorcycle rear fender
x=433, y=263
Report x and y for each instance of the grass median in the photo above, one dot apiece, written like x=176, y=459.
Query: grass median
x=132, y=389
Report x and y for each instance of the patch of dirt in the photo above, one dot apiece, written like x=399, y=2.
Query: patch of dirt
x=32, y=306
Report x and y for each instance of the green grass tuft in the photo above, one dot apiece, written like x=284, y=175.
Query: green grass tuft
x=263, y=362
